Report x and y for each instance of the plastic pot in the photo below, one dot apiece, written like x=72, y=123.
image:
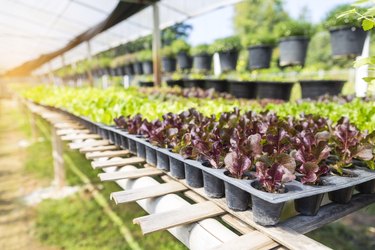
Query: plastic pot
x=141, y=150
x=260, y=56
x=147, y=67
x=228, y=60
x=266, y=213
x=217, y=85
x=184, y=61
x=138, y=69
x=347, y=41
x=194, y=176
x=213, y=186
x=315, y=88
x=367, y=187
x=151, y=155
x=120, y=71
x=293, y=50
x=309, y=205
x=146, y=84
x=193, y=83
x=169, y=64
x=162, y=161
x=202, y=62
x=172, y=83
x=176, y=167
x=243, y=89
x=342, y=196
x=129, y=70
x=237, y=199
x=124, y=142
x=274, y=90
x=132, y=146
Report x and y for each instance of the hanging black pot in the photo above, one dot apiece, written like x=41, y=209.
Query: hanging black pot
x=266, y=213
x=194, y=176
x=202, y=61
x=228, y=60
x=193, y=83
x=151, y=155
x=309, y=205
x=172, y=83
x=217, y=85
x=162, y=160
x=146, y=84
x=138, y=69
x=184, y=60
x=169, y=64
x=347, y=41
x=119, y=71
x=342, y=196
x=236, y=198
x=315, y=88
x=293, y=50
x=260, y=56
x=213, y=186
x=147, y=67
x=176, y=168
x=274, y=90
x=243, y=89
x=129, y=70
x=367, y=187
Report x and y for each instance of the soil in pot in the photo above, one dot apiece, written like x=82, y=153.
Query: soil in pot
x=367, y=187
x=342, y=196
x=177, y=168
x=228, y=60
x=309, y=205
x=172, y=83
x=274, y=90
x=243, y=89
x=193, y=83
x=146, y=84
x=260, y=56
x=194, y=176
x=236, y=198
x=213, y=186
x=347, y=41
x=315, y=88
x=217, y=85
x=293, y=51
x=141, y=150
x=184, y=61
x=147, y=67
x=202, y=62
x=162, y=161
x=151, y=156
x=138, y=69
x=169, y=64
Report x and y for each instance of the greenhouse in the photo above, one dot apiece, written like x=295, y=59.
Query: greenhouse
x=187, y=124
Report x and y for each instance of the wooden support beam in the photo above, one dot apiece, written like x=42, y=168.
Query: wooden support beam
x=117, y=162
x=72, y=131
x=254, y=240
x=88, y=143
x=110, y=154
x=66, y=125
x=140, y=172
x=98, y=148
x=177, y=217
x=80, y=137
x=147, y=192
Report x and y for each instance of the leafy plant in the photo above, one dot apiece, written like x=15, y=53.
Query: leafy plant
x=168, y=52
x=294, y=28
x=259, y=38
x=179, y=46
x=340, y=16
x=226, y=44
x=144, y=55
x=202, y=49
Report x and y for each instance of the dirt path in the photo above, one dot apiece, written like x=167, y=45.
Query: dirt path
x=16, y=219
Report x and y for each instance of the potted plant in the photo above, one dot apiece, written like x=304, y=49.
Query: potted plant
x=175, y=80
x=182, y=50
x=260, y=46
x=243, y=87
x=347, y=35
x=228, y=49
x=129, y=64
x=219, y=84
x=168, y=59
x=294, y=39
x=272, y=86
x=195, y=80
x=146, y=81
x=369, y=186
x=145, y=57
x=202, y=57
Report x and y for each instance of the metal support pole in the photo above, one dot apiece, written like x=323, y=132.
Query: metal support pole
x=89, y=58
x=58, y=160
x=156, y=45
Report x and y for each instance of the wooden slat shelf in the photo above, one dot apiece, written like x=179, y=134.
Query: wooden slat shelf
x=117, y=162
x=79, y=137
x=98, y=148
x=88, y=143
x=72, y=131
x=129, y=175
x=110, y=154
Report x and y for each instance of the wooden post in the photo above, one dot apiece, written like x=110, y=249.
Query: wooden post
x=58, y=160
x=156, y=44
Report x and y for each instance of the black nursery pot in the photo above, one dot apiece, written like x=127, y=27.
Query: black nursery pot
x=217, y=85
x=367, y=187
x=138, y=69
x=129, y=69
x=172, y=83
x=151, y=156
x=124, y=142
x=132, y=146
x=193, y=83
x=146, y=84
x=293, y=50
x=274, y=90
x=315, y=88
x=228, y=60
x=176, y=167
x=141, y=150
x=266, y=213
x=259, y=56
x=162, y=161
x=309, y=205
x=169, y=64
x=342, y=196
x=147, y=67
x=184, y=61
x=213, y=186
x=243, y=89
x=237, y=199
x=347, y=41
x=202, y=61
x=194, y=176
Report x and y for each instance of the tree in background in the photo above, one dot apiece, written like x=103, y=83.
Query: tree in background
x=175, y=32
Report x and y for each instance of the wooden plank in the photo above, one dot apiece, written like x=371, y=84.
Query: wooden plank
x=147, y=192
x=238, y=224
x=328, y=214
x=251, y=241
x=98, y=148
x=79, y=137
x=66, y=125
x=72, y=131
x=116, y=163
x=91, y=143
x=176, y=217
x=113, y=176
x=110, y=154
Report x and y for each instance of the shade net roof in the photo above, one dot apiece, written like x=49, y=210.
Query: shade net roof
x=31, y=28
